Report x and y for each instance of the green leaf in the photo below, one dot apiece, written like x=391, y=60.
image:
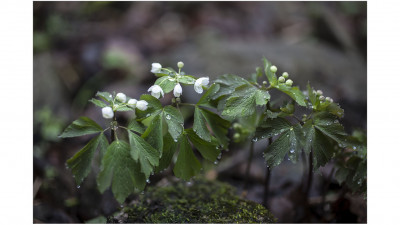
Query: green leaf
x=244, y=100
x=209, y=150
x=119, y=170
x=154, y=133
x=98, y=102
x=341, y=174
x=187, y=165
x=80, y=127
x=272, y=127
x=124, y=108
x=321, y=146
x=270, y=75
x=289, y=142
x=228, y=83
x=169, y=149
x=80, y=163
x=105, y=96
x=144, y=153
x=187, y=79
x=165, y=83
x=261, y=97
x=293, y=92
x=330, y=126
x=174, y=120
x=154, y=107
x=136, y=126
x=205, y=100
x=200, y=126
x=218, y=126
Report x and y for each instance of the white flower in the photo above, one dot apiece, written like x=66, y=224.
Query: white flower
x=319, y=92
x=180, y=64
x=156, y=67
x=132, y=102
x=329, y=99
x=285, y=75
x=107, y=112
x=156, y=91
x=177, y=90
x=281, y=79
x=321, y=98
x=202, y=81
x=142, y=105
x=121, y=97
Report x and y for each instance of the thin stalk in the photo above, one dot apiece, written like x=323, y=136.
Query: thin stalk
x=112, y=130
x=267, y=180
x=247, y=172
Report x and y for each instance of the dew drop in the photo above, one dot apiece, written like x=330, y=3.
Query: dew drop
x=215, y=162
x=255, y=139
x=219, y=156
x=142, y=193
x=148, y=181
x=176, y=140
x=148, y=114
x=78, y=186
x=291, y=150
x=168, y=117
x=122, y=206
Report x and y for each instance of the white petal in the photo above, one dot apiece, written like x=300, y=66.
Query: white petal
x=141, y=105
x=107, y=112
x=198, y=89
x=121, y=97
x=156, y=67
x=177, y=90
x=151, y=88
x=132, y=102
x=155, y=94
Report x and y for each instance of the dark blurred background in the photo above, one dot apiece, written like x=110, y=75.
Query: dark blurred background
x=83, y=47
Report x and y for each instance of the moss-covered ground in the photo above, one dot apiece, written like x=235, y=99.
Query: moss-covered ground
x=200, y=201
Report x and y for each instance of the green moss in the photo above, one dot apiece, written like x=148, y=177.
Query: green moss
x=199, y=202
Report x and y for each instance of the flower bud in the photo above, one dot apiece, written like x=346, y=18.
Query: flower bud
x=289, y=82
x=265, y=82
x=329, y=99
x=319, y=92
x=236, y=136
x=107, y=112
x=132, y=102
x=156, y=91
x=321, y=98
x=281, y=79
x=141, y=105
x=198, y=85
x=121, y=97
x=285, y=75
x=156, y=67
x=177, y=90
x=237, y=126
x=180, y=64
x=273, y=69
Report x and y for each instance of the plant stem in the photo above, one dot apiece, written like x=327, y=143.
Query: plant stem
x=247, y=172
x=266, y=180
x=310, y=174
x=112, y=130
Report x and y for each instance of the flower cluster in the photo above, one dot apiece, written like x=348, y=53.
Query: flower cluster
x=177, y=77
x=121, y=101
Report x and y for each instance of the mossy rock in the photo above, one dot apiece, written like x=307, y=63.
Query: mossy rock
x=200, y=201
